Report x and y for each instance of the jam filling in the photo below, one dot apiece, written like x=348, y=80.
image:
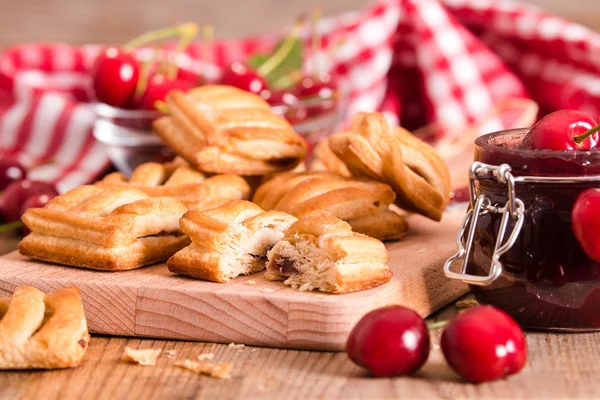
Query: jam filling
x=162, y=234
x=286, y=266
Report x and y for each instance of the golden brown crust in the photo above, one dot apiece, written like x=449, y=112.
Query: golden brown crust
x=110, y=228
x=40, y=331
x=228, y=241
x=182, y=182
x=325, y=160
x=322, y=253
x=222, y=129
x=412, y=168
x=365, y=204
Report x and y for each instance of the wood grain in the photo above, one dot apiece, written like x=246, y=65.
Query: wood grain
x=153, y=302
x=559, y=366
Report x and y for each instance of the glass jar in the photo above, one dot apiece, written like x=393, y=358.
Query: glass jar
x=517, y=246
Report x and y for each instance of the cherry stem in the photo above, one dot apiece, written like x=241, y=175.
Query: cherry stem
x=160, y=34
x=208, y=35
x=317, y=42
x=580, y=138
x=437, y=325
x=186, y=37
x=161, y=106
x=282, y=52
x=11, y=226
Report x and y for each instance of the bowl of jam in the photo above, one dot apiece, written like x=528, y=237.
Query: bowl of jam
x=518, y=244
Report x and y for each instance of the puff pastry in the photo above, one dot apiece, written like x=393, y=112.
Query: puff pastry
x=325, y=160
x=182, y=182
x=228, y=241
x=223, y=129
x=42, y=331
x=364, y=204
x=411, y=167
x=322, y=253
x=115, y=228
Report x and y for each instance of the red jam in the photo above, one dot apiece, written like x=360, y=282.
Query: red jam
x=547, y=282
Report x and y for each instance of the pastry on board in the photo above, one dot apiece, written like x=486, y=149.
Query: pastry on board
x=181, y=181
x=322, y=253
x=228, y=241
x=42, y=331
x=325, y=160
x=363, y=203
x=222, y=129
x=414, y=170
x=114, y=228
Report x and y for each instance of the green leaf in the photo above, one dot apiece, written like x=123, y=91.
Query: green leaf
x=291, y=62
x=285, y=58
x=257, y=60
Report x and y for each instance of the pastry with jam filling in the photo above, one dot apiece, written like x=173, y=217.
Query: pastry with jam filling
x=228, y=241
x=322, y=253
x=114, y=228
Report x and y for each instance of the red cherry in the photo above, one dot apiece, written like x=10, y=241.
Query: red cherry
x=483, y=344
x=243, y=77
x=159, y=86
x=320, y=89
x=15, y=195
x=323, y=87
x=11, y=170
x=556, y=131
x=585, y=221
x=279, y=97
x=389, y=341
x=115, y=75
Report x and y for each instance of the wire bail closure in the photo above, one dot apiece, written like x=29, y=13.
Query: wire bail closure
x=481, y=205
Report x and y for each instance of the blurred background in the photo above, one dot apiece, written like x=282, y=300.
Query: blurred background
x=115, y=21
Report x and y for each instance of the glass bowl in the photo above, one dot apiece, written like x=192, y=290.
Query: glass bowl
x=128, y=138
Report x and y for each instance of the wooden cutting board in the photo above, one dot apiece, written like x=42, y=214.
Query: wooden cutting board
x=153, y=302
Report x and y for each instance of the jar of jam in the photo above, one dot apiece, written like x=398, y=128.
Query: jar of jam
x=516, y=243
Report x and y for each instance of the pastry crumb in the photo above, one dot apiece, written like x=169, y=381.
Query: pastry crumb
x=206, y=356
x=220, y=371
x=435, y=346
x=170, y=353
x=466, y=303
x=253, y=349
x=250, y=282
x=141, y=357
x=236, y=346
x=268, y=290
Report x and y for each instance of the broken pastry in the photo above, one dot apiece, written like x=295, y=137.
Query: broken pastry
x=228, y=241
x=115, y=228
x=322, y=253
x=363, y=203
x=222, y=129
x=413, y=169
x=42, y=331
x=182, y=182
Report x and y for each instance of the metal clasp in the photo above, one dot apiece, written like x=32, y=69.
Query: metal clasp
x=513, y=209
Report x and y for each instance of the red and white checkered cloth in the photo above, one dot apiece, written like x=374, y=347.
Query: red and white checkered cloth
x=419, y=61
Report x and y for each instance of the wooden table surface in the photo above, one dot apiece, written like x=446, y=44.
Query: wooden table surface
x=559, y=366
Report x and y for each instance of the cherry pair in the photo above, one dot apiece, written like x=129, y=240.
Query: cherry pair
x=20, y=193
x=481, y=344
x=120, y=80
